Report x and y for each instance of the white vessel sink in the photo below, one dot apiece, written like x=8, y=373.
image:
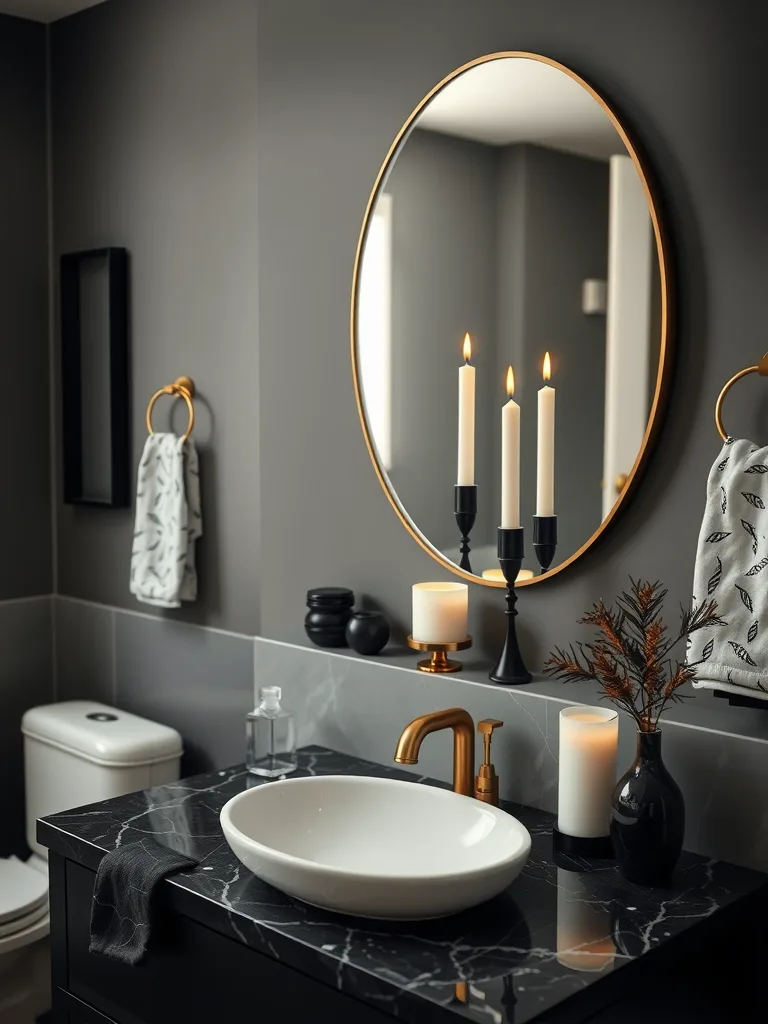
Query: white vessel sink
x=375, y=847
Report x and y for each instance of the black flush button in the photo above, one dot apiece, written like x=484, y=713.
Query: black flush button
x=101, y=716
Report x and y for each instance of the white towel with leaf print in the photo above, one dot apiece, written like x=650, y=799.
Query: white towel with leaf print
x=168, y=522
x=732, y=569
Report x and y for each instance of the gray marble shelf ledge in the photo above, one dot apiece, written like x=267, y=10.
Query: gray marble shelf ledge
x=512, y=953
x=699, y=708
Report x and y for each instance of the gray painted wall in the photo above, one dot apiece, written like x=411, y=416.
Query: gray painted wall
x=25, y=511
x=443, y=259
x=328, y=104
x=337, y=80
x=565, y=241
x=154, y=148
x=25, y=515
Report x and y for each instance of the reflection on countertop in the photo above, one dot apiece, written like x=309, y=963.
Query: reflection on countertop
x=557, y=933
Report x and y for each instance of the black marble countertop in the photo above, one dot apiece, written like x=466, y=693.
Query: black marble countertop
x=554, y=938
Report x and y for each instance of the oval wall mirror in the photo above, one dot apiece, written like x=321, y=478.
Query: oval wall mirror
x=511, y=226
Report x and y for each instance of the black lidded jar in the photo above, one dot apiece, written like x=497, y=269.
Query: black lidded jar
x=329, y=612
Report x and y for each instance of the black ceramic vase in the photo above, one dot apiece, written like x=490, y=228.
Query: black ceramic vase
x=367, y=632
x=330, y=609
x=647, y=816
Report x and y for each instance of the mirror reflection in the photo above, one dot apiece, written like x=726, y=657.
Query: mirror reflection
x=509, y=316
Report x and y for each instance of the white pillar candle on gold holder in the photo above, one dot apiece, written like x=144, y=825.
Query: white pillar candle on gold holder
x=440, y=612
x=588, y=746
x=465, y=476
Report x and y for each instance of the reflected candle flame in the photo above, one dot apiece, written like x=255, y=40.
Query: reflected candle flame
x=510, y=381
x=467, y=350
x=547, y=374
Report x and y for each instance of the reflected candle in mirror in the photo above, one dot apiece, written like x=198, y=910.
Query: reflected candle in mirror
x=498, y=576
x=440, y=612
x=510, y=459
x=584, y=940
x=466, y=471
x=545, y=449
x=588, y=745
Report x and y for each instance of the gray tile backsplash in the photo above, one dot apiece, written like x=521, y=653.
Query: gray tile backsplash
x=26, y=679
x=85, y=656
x=360, y=706
x=202, y=682
x=197, y=680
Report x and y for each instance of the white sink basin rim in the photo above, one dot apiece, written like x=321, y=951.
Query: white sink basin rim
x=377, y=848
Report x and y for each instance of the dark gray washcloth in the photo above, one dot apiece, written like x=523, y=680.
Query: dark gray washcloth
x=122, y=910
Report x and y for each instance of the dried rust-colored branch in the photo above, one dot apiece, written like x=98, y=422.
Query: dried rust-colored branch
x=629, y=657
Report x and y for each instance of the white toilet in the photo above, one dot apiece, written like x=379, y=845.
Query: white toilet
x=77, y=752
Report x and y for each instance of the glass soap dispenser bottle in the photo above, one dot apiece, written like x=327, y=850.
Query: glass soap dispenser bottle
x=270, y=736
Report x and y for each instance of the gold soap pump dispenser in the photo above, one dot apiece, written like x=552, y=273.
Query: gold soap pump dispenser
x=486, y=780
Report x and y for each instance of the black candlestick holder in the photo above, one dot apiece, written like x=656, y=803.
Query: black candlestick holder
x=465, y=510
x=545, y=540
x=511, y=670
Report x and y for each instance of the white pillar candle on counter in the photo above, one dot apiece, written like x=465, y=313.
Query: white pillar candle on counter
x=440, y=612
x=466, y=472
x=589, y=740
x=545, y=447
x=510, y=459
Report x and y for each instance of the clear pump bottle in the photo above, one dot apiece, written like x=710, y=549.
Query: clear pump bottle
x=270, y=736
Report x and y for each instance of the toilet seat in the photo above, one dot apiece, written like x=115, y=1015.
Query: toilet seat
x=19, y=924
x=23, y=895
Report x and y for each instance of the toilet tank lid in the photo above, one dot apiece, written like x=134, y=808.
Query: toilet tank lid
x=102, y=734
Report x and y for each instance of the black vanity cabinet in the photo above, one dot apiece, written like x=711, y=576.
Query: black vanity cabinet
x=193, y=974
x=228, y=947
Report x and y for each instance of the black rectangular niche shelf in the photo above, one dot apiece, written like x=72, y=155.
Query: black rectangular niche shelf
x=94, y=378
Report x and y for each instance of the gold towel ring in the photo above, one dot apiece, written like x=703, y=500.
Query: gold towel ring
x=761, y=368
x=182, y=387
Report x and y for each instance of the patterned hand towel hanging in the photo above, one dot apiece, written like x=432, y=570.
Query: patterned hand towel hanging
x=168, y=511
x=732, y=564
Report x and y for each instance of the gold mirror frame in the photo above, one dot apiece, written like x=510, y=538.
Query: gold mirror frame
x=665, y=349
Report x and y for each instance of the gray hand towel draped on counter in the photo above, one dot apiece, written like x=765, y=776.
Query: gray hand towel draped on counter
x=124, y=897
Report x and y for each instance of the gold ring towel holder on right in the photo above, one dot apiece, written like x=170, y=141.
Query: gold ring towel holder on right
x=761, y=368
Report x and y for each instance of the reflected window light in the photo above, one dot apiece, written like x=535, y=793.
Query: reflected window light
x=375, y=328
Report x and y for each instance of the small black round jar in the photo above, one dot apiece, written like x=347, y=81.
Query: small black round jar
x=329, y=612
x=367, y=632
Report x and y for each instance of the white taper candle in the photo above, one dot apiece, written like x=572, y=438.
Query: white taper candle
x=466, y=470
x=510, y=459
x=545, y=448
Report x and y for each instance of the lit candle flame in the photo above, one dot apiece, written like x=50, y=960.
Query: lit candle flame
x=467, y=348
x=547, y=367
x=510, y=382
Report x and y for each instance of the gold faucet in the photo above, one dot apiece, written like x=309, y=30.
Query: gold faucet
x=485, y=785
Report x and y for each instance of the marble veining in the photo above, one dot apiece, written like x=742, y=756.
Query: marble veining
x=557, y=931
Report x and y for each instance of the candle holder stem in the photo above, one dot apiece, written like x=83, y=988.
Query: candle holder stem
x=465, y=510
x=545, y=540
x=510, y=669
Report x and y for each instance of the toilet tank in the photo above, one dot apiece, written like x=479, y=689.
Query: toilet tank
x=79, y=752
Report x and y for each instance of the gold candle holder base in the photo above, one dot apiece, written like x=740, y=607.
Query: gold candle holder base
x=439, y=662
